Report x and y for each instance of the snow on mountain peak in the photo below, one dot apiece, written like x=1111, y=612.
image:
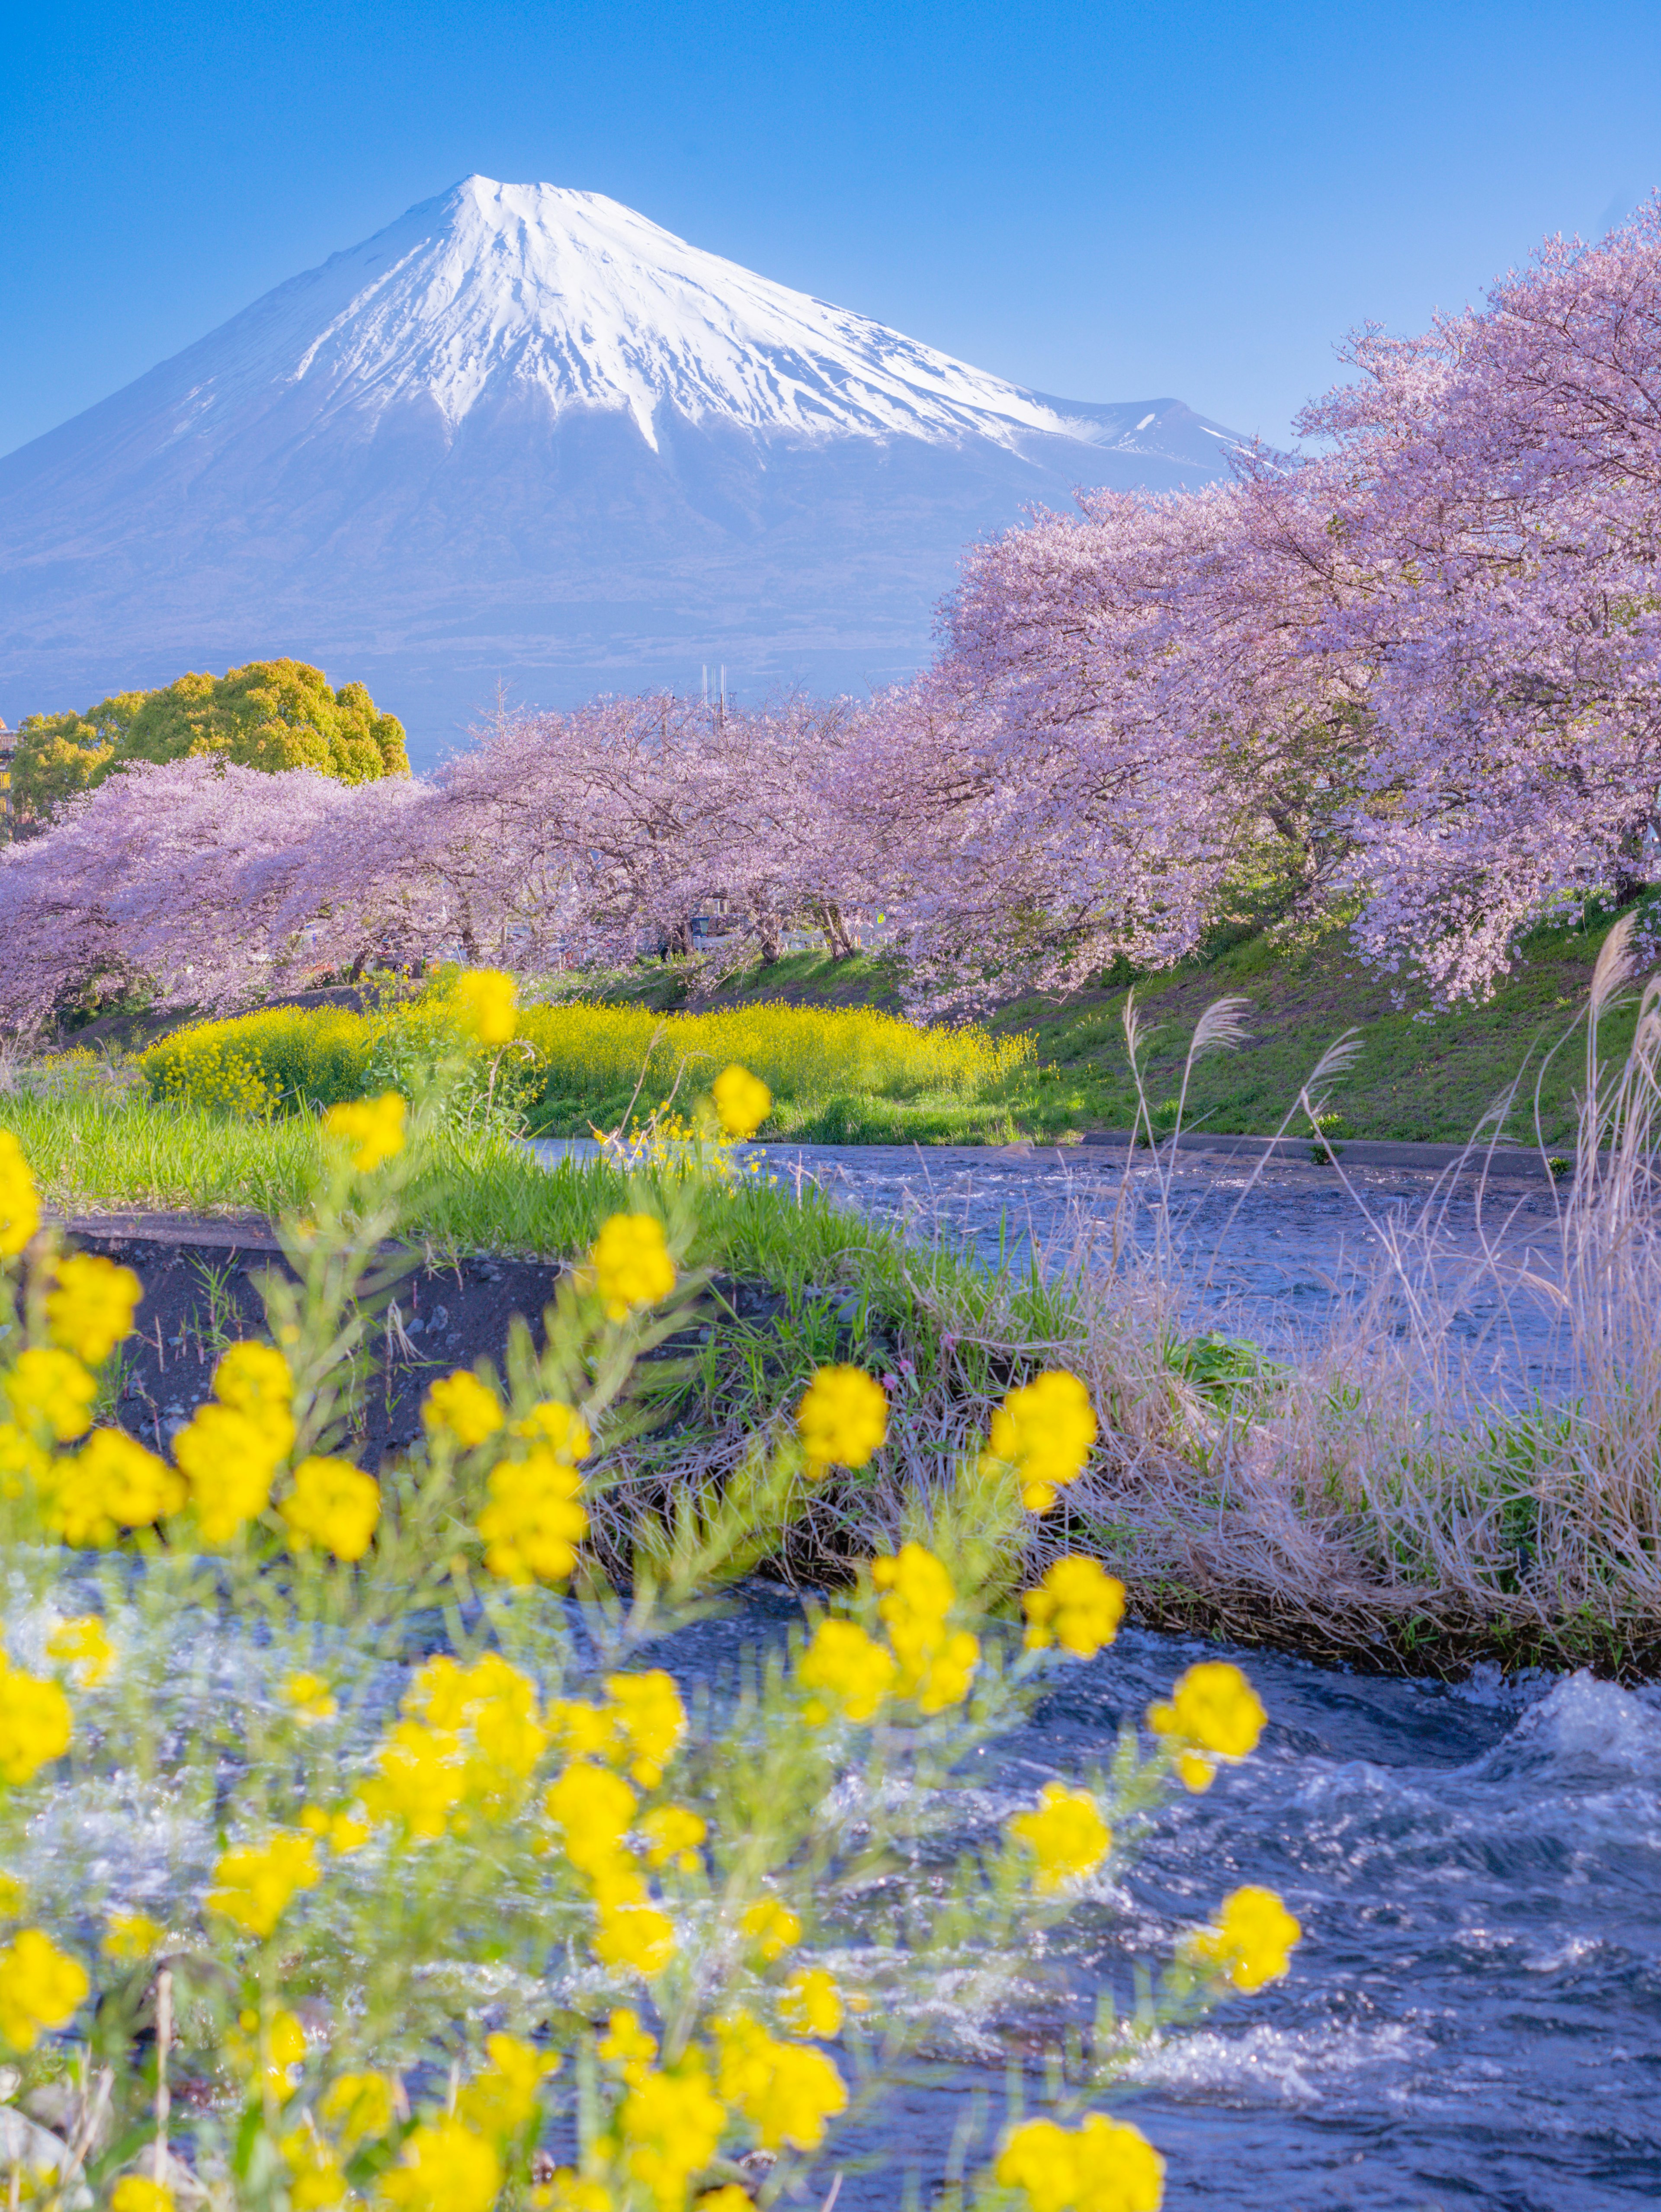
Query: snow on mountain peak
x=512, y=289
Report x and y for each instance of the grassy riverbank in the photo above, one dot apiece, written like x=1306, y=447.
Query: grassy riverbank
x=1368, y=1503
x=1420, y=1074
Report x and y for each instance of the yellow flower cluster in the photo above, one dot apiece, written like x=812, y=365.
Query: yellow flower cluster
x=850, y=1672
x=1212, y=1714
x=489, y=1000
x=672, y=1835
x=469, y=1740
x=83, y=1644
x=267, y=2050
x=770, y=1929
x=374, y=1127
x=1043, y=1431
x=462, y=1411
x=1105, y=2166
x=785, y=2092
x=533, y=1524
x=501, y=2102
x=742, y=1101
x=810, y=2003
x=843, y=1417
x=445, y=2167
x=40, y=1987
x=138, y=2192
x=20, y=1202
x=132, y=1938
x=111, y=1483
x=334, y=1505
x=230, y=1449
x=639, y=1726
x=631, y=1264
x=310, y=1696
x=1249, y=1942
x=935, y=1663
x=1066, y=1835
x=35, y=1723
x=90, y=1306
x=1077, y=1605
x=50, y=1394
x=669, y=2125
x=256, y=1882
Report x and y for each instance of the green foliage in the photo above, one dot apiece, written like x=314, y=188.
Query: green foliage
x=272, y=714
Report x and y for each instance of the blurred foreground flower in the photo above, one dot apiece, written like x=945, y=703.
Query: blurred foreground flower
x=632, y=1264
x=373, y=1126
x=1212, y=1714
x=1044, y=1431
x=843, y=1417
x=489, y=999
x=742, y=1101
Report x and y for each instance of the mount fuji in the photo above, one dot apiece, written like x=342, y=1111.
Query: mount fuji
x=524, y=436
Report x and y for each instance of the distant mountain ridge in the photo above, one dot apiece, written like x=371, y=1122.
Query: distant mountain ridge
x=523, y=434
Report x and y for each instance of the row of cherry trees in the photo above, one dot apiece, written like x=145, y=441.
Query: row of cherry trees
x=1414, y=677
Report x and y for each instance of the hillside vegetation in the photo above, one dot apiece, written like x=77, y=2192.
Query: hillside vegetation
x=1420, y=1075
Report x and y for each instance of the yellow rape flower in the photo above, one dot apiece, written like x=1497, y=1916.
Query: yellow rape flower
x=373, y=1126
x=316, y=2183
x=670, y=2125
x=90, y=1307
x=632, y=1264
x=1249, y=1943
x=742, y=1101
x=257, y=1881
x=771, y=1929
x=595, y=1808
x=35, y=1723
x=84, y=1644
x=255, y=1379
x=936, y=1664
x=51, y=1393
x=786, y=2094
x=652, y=1717
x=843, y=1417
x=501, y=2101
x=849, y=1670
x=332, y=1503
x=488, y=998
x=132, y=1938
x=40, y=1987
x=1044, y=1431
x=138, y=2192
x=311, y=1697
x=1106, y=2165
x=341, y=1832
x=626, y=2046
x=1077, y=1605
x=672, y=1835
x=445, y=2167
x=230, y=1462
x=533, y=1524
x=729, y=2197
x=20, y=1202
x=810, y=2003
x=492, y=1698
x=1212, y=1714
x=24, y=1465
x=271, y=2059
x=635, y=1936
x=357, y=2108
x=462, y=1409
x=419, y=1779
x=561, y=1432
x=111, y=1482
x=1066, y=1835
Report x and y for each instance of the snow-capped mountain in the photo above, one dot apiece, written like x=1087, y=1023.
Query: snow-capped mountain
x=524, y=434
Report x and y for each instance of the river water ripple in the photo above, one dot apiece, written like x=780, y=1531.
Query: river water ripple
x=1474, y=2017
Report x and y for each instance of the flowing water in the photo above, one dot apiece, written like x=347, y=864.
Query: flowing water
x=1474, y=2017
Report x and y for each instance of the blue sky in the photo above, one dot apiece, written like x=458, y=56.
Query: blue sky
x=1105, y=202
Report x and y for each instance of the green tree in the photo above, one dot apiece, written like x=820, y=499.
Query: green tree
x=272, y=714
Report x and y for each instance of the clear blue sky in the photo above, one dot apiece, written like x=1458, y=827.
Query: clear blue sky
x=1102, y=202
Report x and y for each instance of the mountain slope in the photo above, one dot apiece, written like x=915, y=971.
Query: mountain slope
x=524, y=434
